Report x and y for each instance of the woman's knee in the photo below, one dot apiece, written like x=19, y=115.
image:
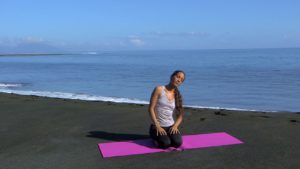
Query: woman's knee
x=164, y=143
x=176, y=140
x=177, y=143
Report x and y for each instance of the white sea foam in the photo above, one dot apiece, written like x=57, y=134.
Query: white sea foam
x=90, y=53
x=210, y=107
x=64, y=95
x=10, y=85
x=75, y=96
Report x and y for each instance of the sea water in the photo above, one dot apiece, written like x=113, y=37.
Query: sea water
x=243, y=79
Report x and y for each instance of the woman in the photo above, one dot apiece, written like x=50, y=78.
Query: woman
x=164, y=103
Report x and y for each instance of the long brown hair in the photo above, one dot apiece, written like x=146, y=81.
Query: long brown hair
x=178, y=96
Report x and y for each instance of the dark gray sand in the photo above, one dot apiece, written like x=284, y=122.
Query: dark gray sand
x=42, y=133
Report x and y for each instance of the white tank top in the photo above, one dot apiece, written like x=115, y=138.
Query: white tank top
x=165, y=109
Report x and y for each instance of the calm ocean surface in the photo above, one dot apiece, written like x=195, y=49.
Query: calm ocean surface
x=251, y=79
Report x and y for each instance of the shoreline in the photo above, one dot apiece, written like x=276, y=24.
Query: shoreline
x=133, y=101
x=41, y=132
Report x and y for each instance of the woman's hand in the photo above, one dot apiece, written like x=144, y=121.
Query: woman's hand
x=174, y=130
x=160, y=131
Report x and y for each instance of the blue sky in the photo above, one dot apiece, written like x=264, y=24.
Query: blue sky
x=91, y=25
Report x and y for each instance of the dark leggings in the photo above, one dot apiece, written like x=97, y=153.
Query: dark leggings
x=165, y=141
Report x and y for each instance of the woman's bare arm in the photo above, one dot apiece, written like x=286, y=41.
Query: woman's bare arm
x=153, y=102
x=179, y=118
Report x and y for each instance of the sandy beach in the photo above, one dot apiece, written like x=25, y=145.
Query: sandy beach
x=46, y=133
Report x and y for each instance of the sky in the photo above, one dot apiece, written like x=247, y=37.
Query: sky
x=95, y=25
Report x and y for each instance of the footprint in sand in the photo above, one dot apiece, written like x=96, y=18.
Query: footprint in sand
x=294, y=121
x=262, y=116
x=202, y=119
x=220, y=114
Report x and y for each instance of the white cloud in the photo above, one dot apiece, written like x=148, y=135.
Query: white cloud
x=121, y=43
x=30, y=39
x=133, y=36
x=5, y=41
x=177, y=34
x=137, y=42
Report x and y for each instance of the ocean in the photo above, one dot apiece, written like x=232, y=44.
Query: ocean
x=235, y=79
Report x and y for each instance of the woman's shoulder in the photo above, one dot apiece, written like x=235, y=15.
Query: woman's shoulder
x=159, y=88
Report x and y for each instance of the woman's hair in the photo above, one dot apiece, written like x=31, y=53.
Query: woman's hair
x=178, y=97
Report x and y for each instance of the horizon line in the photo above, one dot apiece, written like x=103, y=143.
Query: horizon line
x=128, y=50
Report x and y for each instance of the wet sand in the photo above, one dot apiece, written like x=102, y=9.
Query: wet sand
x=46, y=133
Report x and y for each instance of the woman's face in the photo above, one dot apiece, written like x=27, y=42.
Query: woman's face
x=177, y=79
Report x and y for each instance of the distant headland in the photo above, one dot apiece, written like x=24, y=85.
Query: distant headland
x=33, y=54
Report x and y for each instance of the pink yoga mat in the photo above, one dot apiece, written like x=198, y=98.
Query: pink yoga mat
x=144, y=146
